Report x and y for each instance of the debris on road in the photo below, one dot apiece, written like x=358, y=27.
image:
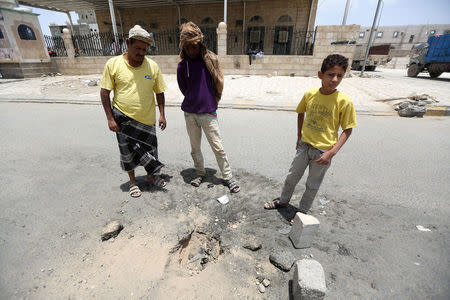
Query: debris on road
x=224, y=199
x=410, y=109
x=421, y=228
x=111, y=230
x=309, y=280
x=252, y=244
x=282, y=260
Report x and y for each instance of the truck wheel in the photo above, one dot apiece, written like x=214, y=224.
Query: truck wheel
x=434, y=74
x=413, y=70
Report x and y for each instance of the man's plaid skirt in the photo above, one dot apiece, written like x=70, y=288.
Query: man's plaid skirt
x=138, y=145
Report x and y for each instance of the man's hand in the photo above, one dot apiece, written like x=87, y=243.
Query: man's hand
x=325, y=158
x=299, y=139
x=162, y=122
x=113, y=125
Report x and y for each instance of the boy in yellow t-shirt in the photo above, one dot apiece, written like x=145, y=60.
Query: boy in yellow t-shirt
x=320, y=114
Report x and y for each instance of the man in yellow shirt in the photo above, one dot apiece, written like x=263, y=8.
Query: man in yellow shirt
x=326, y=110
x=134, y=78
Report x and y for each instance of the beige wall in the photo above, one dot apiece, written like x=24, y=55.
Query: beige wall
x=7, y=49
x=239, y=64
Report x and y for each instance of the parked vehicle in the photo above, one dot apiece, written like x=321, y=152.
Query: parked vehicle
x=432, y=57
x=378, y=55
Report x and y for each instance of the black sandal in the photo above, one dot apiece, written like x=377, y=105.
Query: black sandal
x=233, y=186
x=275, y=204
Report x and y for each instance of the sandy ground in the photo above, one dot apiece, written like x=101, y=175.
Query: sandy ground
x=63, y=184
x=253, y=91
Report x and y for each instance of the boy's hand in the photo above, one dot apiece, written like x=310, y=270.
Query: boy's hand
x=162, y=122
x=325, y=158
x=113, y=125
x=298, y=143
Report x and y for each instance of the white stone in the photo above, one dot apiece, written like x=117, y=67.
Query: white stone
x=309, y=280
x=303, y=230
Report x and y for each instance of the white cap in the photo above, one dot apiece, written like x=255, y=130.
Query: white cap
x=139, y=33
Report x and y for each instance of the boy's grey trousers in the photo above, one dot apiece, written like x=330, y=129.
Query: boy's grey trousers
x=305, y=156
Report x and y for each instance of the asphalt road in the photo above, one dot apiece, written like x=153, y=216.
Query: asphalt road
x=55, y=158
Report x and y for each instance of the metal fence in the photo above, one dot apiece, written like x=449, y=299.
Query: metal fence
x=55, y=45
x=279, y=40
x=104, y=44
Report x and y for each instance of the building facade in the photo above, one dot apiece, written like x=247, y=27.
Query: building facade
x=402, y=38
x=78, y=29
x=23, y=52
x=271, y=26
x=88, y=17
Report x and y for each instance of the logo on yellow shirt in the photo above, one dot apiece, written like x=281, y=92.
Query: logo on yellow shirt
x=148, y=77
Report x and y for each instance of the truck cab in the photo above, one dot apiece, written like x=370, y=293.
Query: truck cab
x=432, y=57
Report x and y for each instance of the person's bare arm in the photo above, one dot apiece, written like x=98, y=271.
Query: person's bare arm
x=106, y=102
x=326, y=157
x=161, y=105
x=300, y=119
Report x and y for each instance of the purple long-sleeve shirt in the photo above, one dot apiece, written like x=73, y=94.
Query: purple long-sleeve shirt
x=195, y=83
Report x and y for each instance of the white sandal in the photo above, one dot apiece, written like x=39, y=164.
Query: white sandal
x=135, y=191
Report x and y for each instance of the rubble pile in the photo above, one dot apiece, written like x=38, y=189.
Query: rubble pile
x=415, y=106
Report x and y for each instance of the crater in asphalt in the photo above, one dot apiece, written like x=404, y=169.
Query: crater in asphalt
x=196, y=250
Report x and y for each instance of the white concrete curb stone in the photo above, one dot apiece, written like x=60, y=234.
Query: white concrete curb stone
x=309, y=280
x=303, y=230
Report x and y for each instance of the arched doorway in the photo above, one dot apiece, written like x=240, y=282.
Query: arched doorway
x=208, y=27
x=283, y=35
x=255, y=34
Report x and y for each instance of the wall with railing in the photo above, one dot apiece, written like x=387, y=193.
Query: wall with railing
x=296, y=53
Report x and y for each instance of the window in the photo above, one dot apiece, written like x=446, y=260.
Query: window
x=285, y=19
x=361, y=35
x=239, y=23
x=255, y=20
x=283, y=37
x=380, y=34
x=207, y=21
x=25, y=32
x=1, y=35
x=411, y=38
x=395, y=34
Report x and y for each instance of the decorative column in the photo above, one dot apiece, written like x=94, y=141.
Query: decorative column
x=70, y=49
x=222, y=39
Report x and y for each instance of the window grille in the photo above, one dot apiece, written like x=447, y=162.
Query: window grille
x=283, y=37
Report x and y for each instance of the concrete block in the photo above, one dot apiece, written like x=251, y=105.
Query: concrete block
x=308, y=282
x=303, y=230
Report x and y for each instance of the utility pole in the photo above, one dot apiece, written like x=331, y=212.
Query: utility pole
x=347, y=5
x=225, y=11
x=370, y=37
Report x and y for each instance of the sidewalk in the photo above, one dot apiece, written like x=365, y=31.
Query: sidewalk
x=247, y=92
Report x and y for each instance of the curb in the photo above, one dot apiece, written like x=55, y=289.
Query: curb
x=359, y=111
x=438, y=111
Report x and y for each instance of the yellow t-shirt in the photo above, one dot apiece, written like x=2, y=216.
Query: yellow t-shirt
x=324, y=115
x=134, y=87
